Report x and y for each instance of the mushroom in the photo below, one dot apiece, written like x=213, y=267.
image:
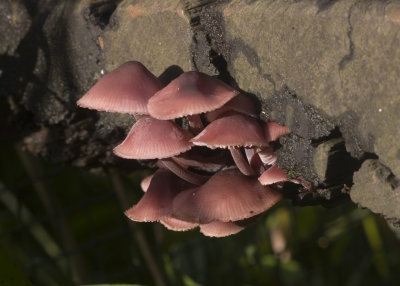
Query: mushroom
x=220, y=229
x=126, y=89
x=254, y=160
x=233, y=131
x=226, y=196
x=177, y=224
x=199, y=186
x=169, y=222
x=190, y=93
x=272, y=175
x=151, y=138
x=156, y=203
x=272, y=131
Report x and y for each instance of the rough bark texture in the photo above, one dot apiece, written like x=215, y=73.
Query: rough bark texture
x=376, y=187
x=329, y=70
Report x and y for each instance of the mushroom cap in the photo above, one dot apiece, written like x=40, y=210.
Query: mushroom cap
x=220, y=229
x=176, y=224
x=226, y=196
x=190, y=93
x=156, y=202
x=231, y=131
x=272, y=131
x=126, y=89
x=151, y=138
x=272, y=175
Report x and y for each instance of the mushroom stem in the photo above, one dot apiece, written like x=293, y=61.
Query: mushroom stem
x=267, y=155
x=195, y=123
x=241, y=162
x=183, y=173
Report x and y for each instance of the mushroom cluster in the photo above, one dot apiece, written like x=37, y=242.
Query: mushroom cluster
x=217, y=167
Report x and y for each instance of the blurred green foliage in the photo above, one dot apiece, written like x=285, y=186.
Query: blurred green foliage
x=83, y=237
x=10, y=273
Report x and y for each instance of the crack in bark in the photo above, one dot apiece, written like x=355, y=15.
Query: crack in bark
x=349, y=57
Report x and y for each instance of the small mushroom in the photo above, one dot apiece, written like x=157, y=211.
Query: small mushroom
x=233, y=131
x=151, y=138
x=171, y=223
x=190, y=93
x=156, y=202
x=254, y=160
x=226, y=196
x=126, y=89
x=176, y=224
x=272, y=175
x=272, y=131
x=220, y=229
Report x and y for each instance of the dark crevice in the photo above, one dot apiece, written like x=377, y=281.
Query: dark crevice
x=340, y=166
x=221, y=65
x=100, y=12
x=348, y=57
x=368, y=156
x=208, y=49
x=335, y=133
x=169, y=74
x=20, y=73
x=195, y=21
x=327, y=197
x=393, y=181
x=338, y=176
